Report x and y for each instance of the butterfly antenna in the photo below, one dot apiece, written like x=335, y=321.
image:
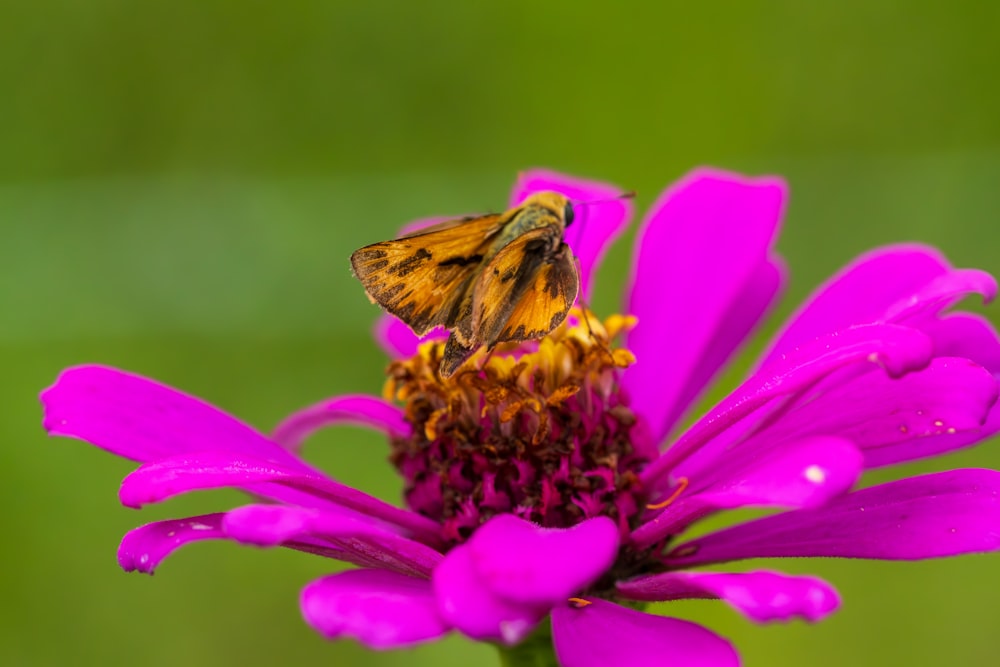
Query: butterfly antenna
x=580, y=233
x=625, y=195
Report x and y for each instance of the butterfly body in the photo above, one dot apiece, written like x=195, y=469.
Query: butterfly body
x=488, y=279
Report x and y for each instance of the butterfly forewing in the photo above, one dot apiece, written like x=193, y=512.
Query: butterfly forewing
x=526, y=291
x=422, y=278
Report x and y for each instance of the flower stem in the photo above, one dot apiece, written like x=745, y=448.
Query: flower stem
x=535, y=651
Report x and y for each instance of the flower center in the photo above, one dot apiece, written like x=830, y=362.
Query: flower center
x=541, y=430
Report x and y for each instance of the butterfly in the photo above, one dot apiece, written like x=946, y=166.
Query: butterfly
x=489, y=279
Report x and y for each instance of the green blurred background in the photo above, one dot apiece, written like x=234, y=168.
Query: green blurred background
x=181, y=184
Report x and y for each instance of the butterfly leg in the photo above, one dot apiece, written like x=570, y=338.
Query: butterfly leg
x=486, y=359
x=585, y=314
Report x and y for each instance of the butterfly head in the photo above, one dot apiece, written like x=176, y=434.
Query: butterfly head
x=555, y=203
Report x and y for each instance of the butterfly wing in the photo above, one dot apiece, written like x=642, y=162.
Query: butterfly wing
x=526, y=290
x=421, y=278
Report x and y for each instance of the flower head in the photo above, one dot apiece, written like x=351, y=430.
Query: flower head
x=544, y=434
x=551, y=479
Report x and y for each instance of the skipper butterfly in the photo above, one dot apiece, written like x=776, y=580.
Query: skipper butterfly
x=489, y=279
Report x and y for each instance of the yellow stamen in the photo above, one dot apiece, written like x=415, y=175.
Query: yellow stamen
x=580, y=603
x=511, y=411
x=430, y=428
x=623, y=358
x=682, y=484
x=561, y=394
x=615, y=324
x=551, y=368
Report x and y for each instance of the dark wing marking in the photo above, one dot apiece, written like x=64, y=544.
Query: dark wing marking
x=422, y=278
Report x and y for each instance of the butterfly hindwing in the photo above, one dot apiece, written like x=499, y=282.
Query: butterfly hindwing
x=526, y=290
x=422, y=278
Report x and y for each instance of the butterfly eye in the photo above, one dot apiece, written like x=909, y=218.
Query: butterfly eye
x=568, y=214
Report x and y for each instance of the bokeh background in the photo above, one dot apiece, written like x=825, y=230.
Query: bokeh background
x=181, y=184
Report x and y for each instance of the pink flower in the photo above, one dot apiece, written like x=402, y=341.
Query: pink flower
x=551, y=483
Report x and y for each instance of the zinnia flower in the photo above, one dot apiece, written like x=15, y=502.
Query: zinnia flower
x=552, y=480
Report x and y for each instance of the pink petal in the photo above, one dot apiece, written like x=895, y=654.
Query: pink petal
x=164, y=479
x=602, y=633
x=398, y=340
x=880, y=286
x=142, y=420
x=762, y=596
x=600, y=218
x=357, y=409
x=699, y=248
x=940, y=293
x=467, y=603
x=934, y=445
x=523, y=562
x=807, y=473
x=942, y=514
x=891, y=418
x=965, y=335
x=897, y=349
x=973, y=337
x=274, y=525
x=503, y=581
x=380, y=609
x=144, y=548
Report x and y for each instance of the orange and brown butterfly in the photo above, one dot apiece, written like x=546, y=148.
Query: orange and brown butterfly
x=489, y=279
